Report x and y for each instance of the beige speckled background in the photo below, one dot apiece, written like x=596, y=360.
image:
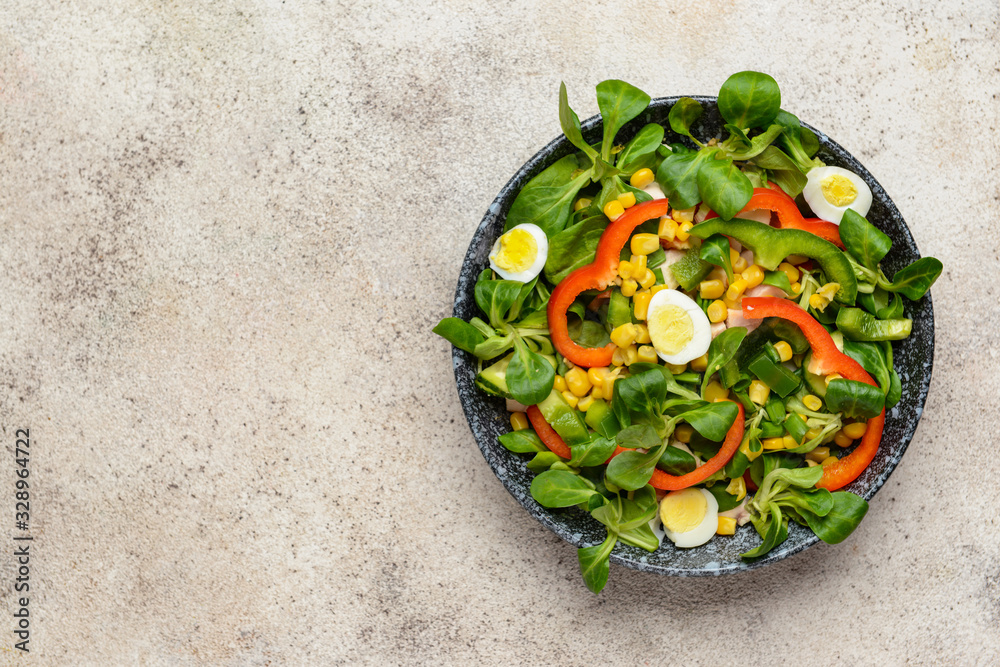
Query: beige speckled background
x=227, y=229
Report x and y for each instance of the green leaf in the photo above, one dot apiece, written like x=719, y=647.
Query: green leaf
x=570, y=124
x=816, y=501
x=847, y=512
x=721, y=351
x=724, y=187
x=619, y=103
x=749, y=99
x=871, y=359
x=713, y=420
x=632, y=470
x=677, y=176
x=914, y=280
x=529, y=376
x=640, y=436
x=543, y=461
x=594, y=563
x=547, y=199
x=863, y=240
x=715, y=250
x=495, y=297
x=756, y=145
x=775, y=533
x=522, y=442
x=778, y=279
x=642, y=393
x=459, y=333
x=892, y=311
x=784, y=172
x=668, y=378
x=895, y=390
x=854, y=399
x=560, y=488
x=676, y=461
x=683, y=114
x=641, y=151
x=593, y=452
x=726, y=500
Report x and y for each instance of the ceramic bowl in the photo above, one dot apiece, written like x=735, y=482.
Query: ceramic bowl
x=488, y=418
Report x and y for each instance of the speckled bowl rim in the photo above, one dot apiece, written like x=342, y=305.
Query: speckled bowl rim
x=471, y=398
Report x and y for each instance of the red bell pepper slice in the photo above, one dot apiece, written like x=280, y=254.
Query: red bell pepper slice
x=830, y=360
x=774, y=199
x=547, y=434
x=597, y=275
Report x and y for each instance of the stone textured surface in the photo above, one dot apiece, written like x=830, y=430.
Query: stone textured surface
x=227, y=231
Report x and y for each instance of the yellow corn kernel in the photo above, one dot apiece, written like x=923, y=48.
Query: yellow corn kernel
x=842, y=440
x=647, y=354
x=773, y=443
x=627, y=199
x=790, y=442
x=737, y=487
x=684, y=433
x=614, y=209
x=812, y=402
x=715, y=391
x=597, y=393
x=629, y=287
x=745, y=448
x=796, y=288
x=736, y=290
x=682, y=231
x=518, y=421
x=754, y=275
x=829, y=461
x=727, y=525
x=736, y=259
x=819, y=302
x=810, y=463
x=559, y=384
x=717, y=312
x=597, y=374
x=833, y=376
x=631, y=354
x=667, y=229
x=626, y=269
x=718, y=273
x=570, y=398
x=759, y=392
x=819, y=454
x=790, y=271
x=577, y=381
x=643, y=244
x=648, y=279
x=642, y=334
x=638, y=265
x=803, y=418
x=683, y=215
x=657, y=288
x=795, y=260
x=813, y=433
x=584, y=403
x=730, y=304
x=700, y=364
x=710, y=289
x=618, y=357
x=677, y=369
x=609, y=385
x=641, y=178
x=784, y=350
x=581, y=204
x=855, y=430
x=623, y=335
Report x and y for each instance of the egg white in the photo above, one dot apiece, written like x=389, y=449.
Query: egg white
x=541, y=254
x=813, y=194
x=701, y=328
x=701, y=533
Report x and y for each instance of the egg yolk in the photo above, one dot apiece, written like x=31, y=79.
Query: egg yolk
x=839, y=190
x=517, y=252
x=683, y=511
x=670, y=329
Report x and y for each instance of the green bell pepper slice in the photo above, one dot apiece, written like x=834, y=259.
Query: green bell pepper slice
x=771, y=246
x=856, y=324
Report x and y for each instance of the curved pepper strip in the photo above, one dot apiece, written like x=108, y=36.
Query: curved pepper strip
x=830, y=360
x=596, y=275
x=789, y=216
x=547, y=434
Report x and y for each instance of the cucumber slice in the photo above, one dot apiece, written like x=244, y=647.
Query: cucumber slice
x=817, y=383
x=493, y=380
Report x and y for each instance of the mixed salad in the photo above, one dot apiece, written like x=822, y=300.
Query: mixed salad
x=682, y=349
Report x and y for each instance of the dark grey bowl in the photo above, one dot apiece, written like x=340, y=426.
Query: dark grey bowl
x=488, y=418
